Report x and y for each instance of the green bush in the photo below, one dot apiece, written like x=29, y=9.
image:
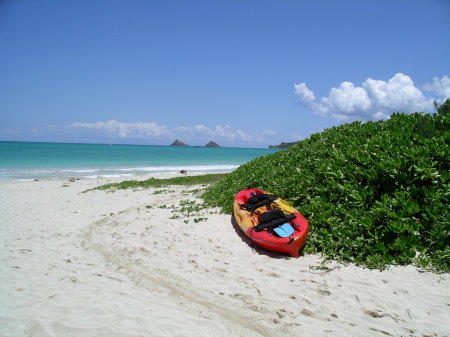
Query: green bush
x=203, y=179
x=374, y=194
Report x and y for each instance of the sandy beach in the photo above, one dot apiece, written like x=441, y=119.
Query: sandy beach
x=126, y=263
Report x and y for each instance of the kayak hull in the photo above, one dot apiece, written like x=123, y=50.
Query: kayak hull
x=267, y=238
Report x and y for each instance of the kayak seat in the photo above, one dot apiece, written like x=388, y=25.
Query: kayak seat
x=273, y=219
x=258, y=200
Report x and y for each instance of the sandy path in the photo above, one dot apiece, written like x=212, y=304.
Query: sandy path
x=104, y=264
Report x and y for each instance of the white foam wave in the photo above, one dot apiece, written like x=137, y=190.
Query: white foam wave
x=178, y=168
x=105, y=172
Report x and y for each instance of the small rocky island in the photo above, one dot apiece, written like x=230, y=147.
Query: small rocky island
x=212, y=144
x=178, y=142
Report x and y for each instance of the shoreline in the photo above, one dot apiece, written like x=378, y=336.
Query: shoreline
x=101, y=263
x=113, y=179
x=30, y=160
x=112, y=173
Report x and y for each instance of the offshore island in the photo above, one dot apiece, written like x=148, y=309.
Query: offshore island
x=178, y=142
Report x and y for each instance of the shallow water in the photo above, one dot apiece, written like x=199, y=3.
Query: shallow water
x=28, y=161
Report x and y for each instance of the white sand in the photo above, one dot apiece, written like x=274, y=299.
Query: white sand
x=102, y=264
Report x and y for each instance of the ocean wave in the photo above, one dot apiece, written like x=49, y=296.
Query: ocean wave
x=105, y=172
x=179, y=168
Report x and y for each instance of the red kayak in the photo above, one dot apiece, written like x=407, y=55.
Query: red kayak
x=270, y=222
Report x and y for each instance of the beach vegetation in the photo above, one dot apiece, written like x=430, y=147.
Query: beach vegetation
x=163, y=191
x=190, y=208
x=200, y=219
x=283, y=145
x=204, y=179
x=374, y=193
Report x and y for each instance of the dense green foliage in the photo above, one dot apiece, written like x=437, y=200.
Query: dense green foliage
x=153, y=182
x=375, y=194
x=283, y=145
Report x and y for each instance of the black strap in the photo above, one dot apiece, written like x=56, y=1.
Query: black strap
x=271, y=215
x=258, y=200
x=274, y=221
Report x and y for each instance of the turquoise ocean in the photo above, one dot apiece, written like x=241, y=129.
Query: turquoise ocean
x=29, y=161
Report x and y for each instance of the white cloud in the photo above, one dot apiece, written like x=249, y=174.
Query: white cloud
x=222, y=133
x=308, y=98
x=374, y=99
x=440, y=87
x=117, y=129
x=346, y=99
x=302, y=91
x=197, y=133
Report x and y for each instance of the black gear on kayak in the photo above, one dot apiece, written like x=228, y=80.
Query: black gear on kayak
x=258, y=200
x=272, y=219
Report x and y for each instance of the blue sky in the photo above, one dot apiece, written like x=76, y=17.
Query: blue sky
x=245, y=73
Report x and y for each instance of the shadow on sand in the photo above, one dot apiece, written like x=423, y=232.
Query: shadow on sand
x=255, y=248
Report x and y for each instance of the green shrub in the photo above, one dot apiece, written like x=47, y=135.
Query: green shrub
x=154, y=182
x=374, y=194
